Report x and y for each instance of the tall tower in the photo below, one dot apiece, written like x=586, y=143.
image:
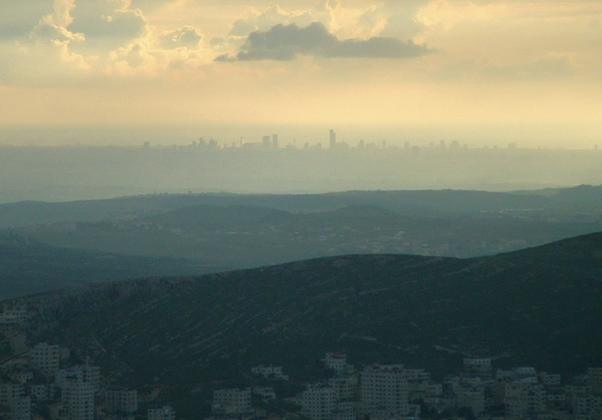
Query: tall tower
x=275, y=141
x=267, y=144
x=333, y=139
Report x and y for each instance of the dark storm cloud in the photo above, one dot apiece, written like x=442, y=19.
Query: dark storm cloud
x=286, y=42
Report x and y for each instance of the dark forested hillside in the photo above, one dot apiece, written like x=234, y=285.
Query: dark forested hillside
x=28, y=266
x=537, y=307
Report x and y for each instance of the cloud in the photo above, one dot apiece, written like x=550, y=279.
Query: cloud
x=242, y=27
x=53, y=27
x=286, y=42
x=107, y=24
x=402, y=18
x=186, y=37
x=322, y=12
x=17, y=18
x=133, y=60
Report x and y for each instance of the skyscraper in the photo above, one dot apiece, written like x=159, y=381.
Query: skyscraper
x=267, y=144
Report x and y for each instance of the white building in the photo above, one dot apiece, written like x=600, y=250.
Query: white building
x=20, y=408
x=550, y=379
x=41, y=392
x=21, y=377
x=270, y=372
x=13, y=396
x=318, y=402
x=338, y=363
x=384, y=388
x=344, y=388
x=121, y=401
x=164, y=412
x=10, y=391
x=478, y=365
x=45, y=357
x=594, y=378
x=526, y=375
x=83, y=373
x=231, y=401
x=12, y=316
x=523, y=400
x=471, y=397
x=266, y=393
x=345, y=411
x=78, y=398
x=591, y=405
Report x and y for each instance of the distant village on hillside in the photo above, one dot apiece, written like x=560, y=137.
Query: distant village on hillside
x=45, y=381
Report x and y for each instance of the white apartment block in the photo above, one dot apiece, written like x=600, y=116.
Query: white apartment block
x=338, y=363
x=526, y=375
x=344, y=388
x=594, y=378
x=22, y=377
x=10, y=391
x=274, y=372
x=556, y=400
x=550, y=379
x=13, y=396
x=121, y=401
x=20, y=408
x=417, y=375
x=477, y=365
x=345, y=411
x=432, y=389
x=267, y=393
x=45, y=357
x=471, y=397
x=318, y=402
x=591, y=405
x=78, y=398
x=231, y=401
x=384, y=388
x=41, y=392
x=16, y=315
x=577, y=390
x=165, y=412
x=523, y=400
x=83, y=373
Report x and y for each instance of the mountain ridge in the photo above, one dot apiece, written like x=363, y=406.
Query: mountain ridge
x=411, y=202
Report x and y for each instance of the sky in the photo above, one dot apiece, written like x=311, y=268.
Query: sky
x=108, y=63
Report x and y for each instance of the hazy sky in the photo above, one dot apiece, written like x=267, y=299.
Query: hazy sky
x=327, y=62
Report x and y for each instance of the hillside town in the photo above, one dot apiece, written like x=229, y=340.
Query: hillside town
x=44, y=381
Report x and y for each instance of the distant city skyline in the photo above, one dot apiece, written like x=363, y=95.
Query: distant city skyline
x=548, y=136
x=432, y=63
